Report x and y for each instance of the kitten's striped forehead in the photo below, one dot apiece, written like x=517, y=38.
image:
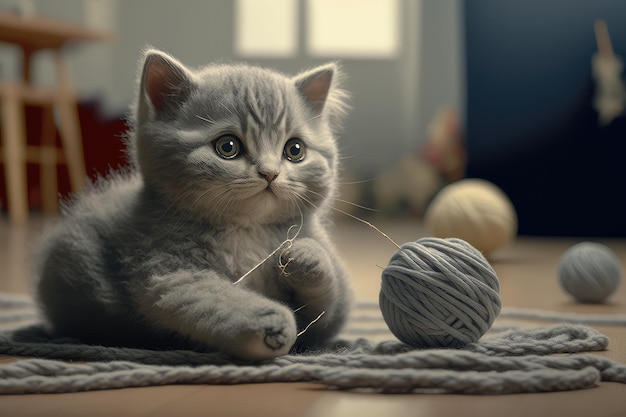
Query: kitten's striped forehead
x=266, y=106
x=260, y=102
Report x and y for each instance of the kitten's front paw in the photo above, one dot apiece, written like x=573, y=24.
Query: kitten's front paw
x=305, y=263
x=268, y=334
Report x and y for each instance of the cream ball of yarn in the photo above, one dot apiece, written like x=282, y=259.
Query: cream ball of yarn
x=474, y=210
x=590, y=272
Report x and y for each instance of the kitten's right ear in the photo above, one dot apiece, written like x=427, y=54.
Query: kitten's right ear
x=320, y=88
x=165, y=84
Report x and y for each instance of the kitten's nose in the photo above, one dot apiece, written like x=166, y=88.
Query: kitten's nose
x=269, y=175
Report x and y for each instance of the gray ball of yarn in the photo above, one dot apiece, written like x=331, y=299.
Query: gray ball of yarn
x=590, y=272
x=439, y=293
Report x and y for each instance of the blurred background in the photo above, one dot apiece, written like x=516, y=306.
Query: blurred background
x=503, y=90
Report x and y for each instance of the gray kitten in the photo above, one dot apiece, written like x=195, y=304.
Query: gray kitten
x=229, y=162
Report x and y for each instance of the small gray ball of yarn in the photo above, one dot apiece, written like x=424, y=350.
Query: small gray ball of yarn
x=590, y=272
x=439, y=293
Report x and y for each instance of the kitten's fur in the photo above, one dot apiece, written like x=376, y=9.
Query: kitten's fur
x=148, y=258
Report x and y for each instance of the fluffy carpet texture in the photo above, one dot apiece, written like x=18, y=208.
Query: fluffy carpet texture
x=506, y=360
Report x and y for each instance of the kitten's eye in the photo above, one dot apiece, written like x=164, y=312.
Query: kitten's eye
x=294, y=150
x=228, y=146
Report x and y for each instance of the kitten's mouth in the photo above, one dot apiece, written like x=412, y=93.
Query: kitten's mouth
x=269, y=190
x=266, y=190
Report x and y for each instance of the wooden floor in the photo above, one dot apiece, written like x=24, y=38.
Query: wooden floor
x=527, y=271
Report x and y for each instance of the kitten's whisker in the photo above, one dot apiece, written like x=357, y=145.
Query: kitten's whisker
x=347, y=202
x=314, y=117
x=306, y=200
x=180, y=219
x=346, y=157
x=166, y=211
x=349, y=156
x=220, y=191
x=361, y=181
x=205, y=119
x=357, y=205
x=369, y=224
x=227, y=109
x=357, y=218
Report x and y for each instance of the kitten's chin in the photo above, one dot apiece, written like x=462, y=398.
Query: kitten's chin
x=262, y=207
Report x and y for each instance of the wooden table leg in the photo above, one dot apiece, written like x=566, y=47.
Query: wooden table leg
x=14, y=138
x=69, y=125
x=48, y=163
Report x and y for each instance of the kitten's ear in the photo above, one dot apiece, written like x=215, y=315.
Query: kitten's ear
x=314, y=85
x=165, y=84
x=320, y=89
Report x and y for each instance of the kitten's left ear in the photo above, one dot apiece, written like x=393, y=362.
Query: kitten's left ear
x=165, y=84
x=320, y=89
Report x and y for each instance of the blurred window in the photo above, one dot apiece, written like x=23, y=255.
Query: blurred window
x=266, y=28
x=334, y=28
x=353, y=28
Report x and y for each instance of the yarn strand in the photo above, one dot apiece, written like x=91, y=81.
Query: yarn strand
x=508, y=362
x=285, y=245
x=368, y=224
x=533, y=375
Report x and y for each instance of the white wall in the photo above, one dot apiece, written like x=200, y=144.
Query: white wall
x=393, y=99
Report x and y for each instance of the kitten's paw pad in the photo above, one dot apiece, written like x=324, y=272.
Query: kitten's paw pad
x=275, y=340
x=270, y=334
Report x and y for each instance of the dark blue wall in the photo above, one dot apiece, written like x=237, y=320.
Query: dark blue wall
x=531, y=128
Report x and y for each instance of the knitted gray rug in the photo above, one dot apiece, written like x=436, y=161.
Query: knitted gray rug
x=506, y=360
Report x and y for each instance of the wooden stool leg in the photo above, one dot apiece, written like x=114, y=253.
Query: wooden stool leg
x=14, y=138
x=48, y=163
x=69, y=127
